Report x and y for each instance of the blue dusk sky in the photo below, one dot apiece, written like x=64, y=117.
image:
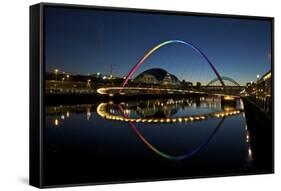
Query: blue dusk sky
x=86, y=41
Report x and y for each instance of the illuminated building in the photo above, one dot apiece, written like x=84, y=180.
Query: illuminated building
x=157, y=76
x=263, y=91
x=264, y=86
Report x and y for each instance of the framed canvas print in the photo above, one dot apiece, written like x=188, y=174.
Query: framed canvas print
x=125, y=95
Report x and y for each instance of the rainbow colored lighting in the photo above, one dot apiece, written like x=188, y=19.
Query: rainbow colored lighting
x=141, y=61
x=165, y=155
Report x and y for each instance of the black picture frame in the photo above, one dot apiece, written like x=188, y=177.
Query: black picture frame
x=37, y=86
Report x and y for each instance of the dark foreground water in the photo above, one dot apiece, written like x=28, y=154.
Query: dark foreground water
x=92, y=143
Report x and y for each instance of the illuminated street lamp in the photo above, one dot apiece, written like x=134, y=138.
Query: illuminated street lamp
x=67, y=76
x=56, y=73
x=257, y=89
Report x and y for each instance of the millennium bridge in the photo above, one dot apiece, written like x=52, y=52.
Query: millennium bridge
x=221, y=90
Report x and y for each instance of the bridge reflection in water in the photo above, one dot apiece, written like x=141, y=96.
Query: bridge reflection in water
x=150, y=113
x=164, y=111
x=204, y=134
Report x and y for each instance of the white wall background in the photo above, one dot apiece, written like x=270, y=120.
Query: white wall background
x=14, y=87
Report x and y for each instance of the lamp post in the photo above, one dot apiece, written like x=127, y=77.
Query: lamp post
x=56, y=73
x=258, y=76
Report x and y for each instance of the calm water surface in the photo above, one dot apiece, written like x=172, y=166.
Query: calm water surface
x=83, y=146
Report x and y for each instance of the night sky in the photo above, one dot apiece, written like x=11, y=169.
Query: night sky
x=84, y=41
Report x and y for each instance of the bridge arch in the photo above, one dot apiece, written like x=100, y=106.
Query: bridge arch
x=224, y=78
x=184, y=156
x=141, y=61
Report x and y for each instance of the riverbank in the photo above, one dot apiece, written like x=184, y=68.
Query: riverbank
x=261, y=135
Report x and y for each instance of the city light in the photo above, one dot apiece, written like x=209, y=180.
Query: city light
x=267, y=76
x=229, y=98
x=56, y=122
x=116, y=90
x=102, y=111
x=88, y=113
x=56, y=73
x=250, y=154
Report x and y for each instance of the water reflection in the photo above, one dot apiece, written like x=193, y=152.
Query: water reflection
x=56, y=122
x=170, y=111
x=63, y=112
x=209, y=112
x=163, y=154
x=166, y=137
x=248, y=142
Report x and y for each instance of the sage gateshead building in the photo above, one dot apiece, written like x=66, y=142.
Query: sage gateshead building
x=157, y=76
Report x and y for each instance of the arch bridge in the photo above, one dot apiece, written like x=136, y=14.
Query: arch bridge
x=224, y=78
x=219, y=90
